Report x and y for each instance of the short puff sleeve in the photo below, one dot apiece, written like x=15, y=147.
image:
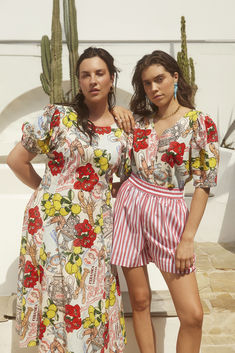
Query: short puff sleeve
x=40, y=135
x=124, y=169
x=204, y=152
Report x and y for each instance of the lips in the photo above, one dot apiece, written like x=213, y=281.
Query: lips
x=94, y=90
x=157, y=96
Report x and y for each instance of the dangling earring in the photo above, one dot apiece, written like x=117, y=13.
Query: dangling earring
x=80, y=91
x=111, y=89
x=175, y=89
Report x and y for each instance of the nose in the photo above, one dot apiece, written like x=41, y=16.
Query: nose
x=154, y=86
x=93, y=80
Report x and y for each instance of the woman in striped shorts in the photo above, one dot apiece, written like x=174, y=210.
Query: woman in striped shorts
x=171, y=144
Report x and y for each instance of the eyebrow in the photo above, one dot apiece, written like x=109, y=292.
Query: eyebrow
x=87, y=72
x=154, y=78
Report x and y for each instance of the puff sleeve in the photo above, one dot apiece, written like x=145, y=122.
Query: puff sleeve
x=124, y=169
x=40, y=135
x=204, y=152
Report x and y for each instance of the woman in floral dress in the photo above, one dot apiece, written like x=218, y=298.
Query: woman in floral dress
x=172, y=143
x=68, y=294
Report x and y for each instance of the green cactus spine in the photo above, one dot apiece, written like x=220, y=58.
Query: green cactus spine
x=186, y=64
x=70, y=25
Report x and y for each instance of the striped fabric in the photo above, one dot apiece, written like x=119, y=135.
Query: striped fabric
x=148, y=223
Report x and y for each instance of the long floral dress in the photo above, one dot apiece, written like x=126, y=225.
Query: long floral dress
x=69, y=299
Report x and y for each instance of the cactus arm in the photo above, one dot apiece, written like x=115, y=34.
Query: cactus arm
x=56, y=55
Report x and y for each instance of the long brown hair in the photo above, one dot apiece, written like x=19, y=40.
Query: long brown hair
x=78, y=103
x=140, y=103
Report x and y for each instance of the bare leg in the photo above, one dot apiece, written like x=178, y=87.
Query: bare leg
x=140, y=296
x=184, y=292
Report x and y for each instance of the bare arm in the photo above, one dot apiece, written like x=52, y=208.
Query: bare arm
x=184, y=252
x=19, y=162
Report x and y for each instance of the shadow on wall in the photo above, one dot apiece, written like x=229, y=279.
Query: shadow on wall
x=226, y=182
x=9, y=286
x=35, y=99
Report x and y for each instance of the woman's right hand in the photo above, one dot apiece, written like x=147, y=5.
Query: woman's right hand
x=124, y=118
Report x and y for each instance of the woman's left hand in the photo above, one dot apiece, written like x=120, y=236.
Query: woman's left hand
x=124, y=118
x=184, y=255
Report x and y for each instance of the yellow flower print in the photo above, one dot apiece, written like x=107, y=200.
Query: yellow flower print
x=112, y=299
x=113, y=287
x=87, y=322
x=101, y=221
x=96, y=323
x=187, y=165
x=77, y=249
x=103, y=161
x=76, y=208
x=212, y=162
x=91, y=309
x=203, y=159
x=52, y=307
x=46, y=196
x=23, y=301
x=22, y=315
x=107, y=303
x=56, y=197
x=103, y=318
x=74, y=268
x=48, y=205
x=98, y=153
x=51, y=212
x=197, y=163
x=193, y=115
x=97, y=229
x=44, y=145
x=92, y=317
x=67, y=122
x=104, y=167
x=78, y=275
x=43, y=255
x=22, y=250
x=46, y=322
x=32, y=344
x=122, y=321
x=63, y=211
x=79, y=262
x=73, y=116
x=118, y=132
x=68, y=268
x=57, y=205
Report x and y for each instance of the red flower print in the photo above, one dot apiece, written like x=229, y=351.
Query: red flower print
x=72, y=317
x=42, y=329
x=118, y=286
x=101, y=130
x=35, y=221
x=174, y=154
x=29, y=267
x=87, y=178
x=55, y=121
x=85, y=233
x=57, y=164
x=41, y=273
x=139, y=139
x=212, y=135
x=30, y=281
x=105, y=337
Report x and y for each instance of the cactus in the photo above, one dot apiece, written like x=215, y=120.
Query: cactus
x=70, y=25
x=51, y=53
x=186, y=64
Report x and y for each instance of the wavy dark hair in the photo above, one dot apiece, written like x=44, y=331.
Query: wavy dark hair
x=139, y=102
x=78, y=103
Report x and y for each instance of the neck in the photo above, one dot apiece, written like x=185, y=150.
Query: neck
x=97, y=110
x=168, y=108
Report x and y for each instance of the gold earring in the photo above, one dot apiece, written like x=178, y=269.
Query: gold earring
x=111, y=89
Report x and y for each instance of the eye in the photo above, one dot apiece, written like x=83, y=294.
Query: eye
x=146, y=83
x=159, y=79
x=100, y=73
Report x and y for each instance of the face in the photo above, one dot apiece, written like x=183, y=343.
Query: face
x=158, y=84
x=94, y=79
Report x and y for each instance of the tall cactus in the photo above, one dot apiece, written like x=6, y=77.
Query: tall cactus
x=186, y=64
x=70, y=25
x=51, y=53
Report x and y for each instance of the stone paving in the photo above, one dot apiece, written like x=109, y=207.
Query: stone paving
x=216, y=281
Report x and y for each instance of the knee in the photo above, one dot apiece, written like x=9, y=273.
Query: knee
x=192, y=319
x=141, y=301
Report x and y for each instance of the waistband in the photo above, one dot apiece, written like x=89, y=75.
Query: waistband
x=155, y=189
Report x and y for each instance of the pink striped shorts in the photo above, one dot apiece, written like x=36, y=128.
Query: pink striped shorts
x=148, y=224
